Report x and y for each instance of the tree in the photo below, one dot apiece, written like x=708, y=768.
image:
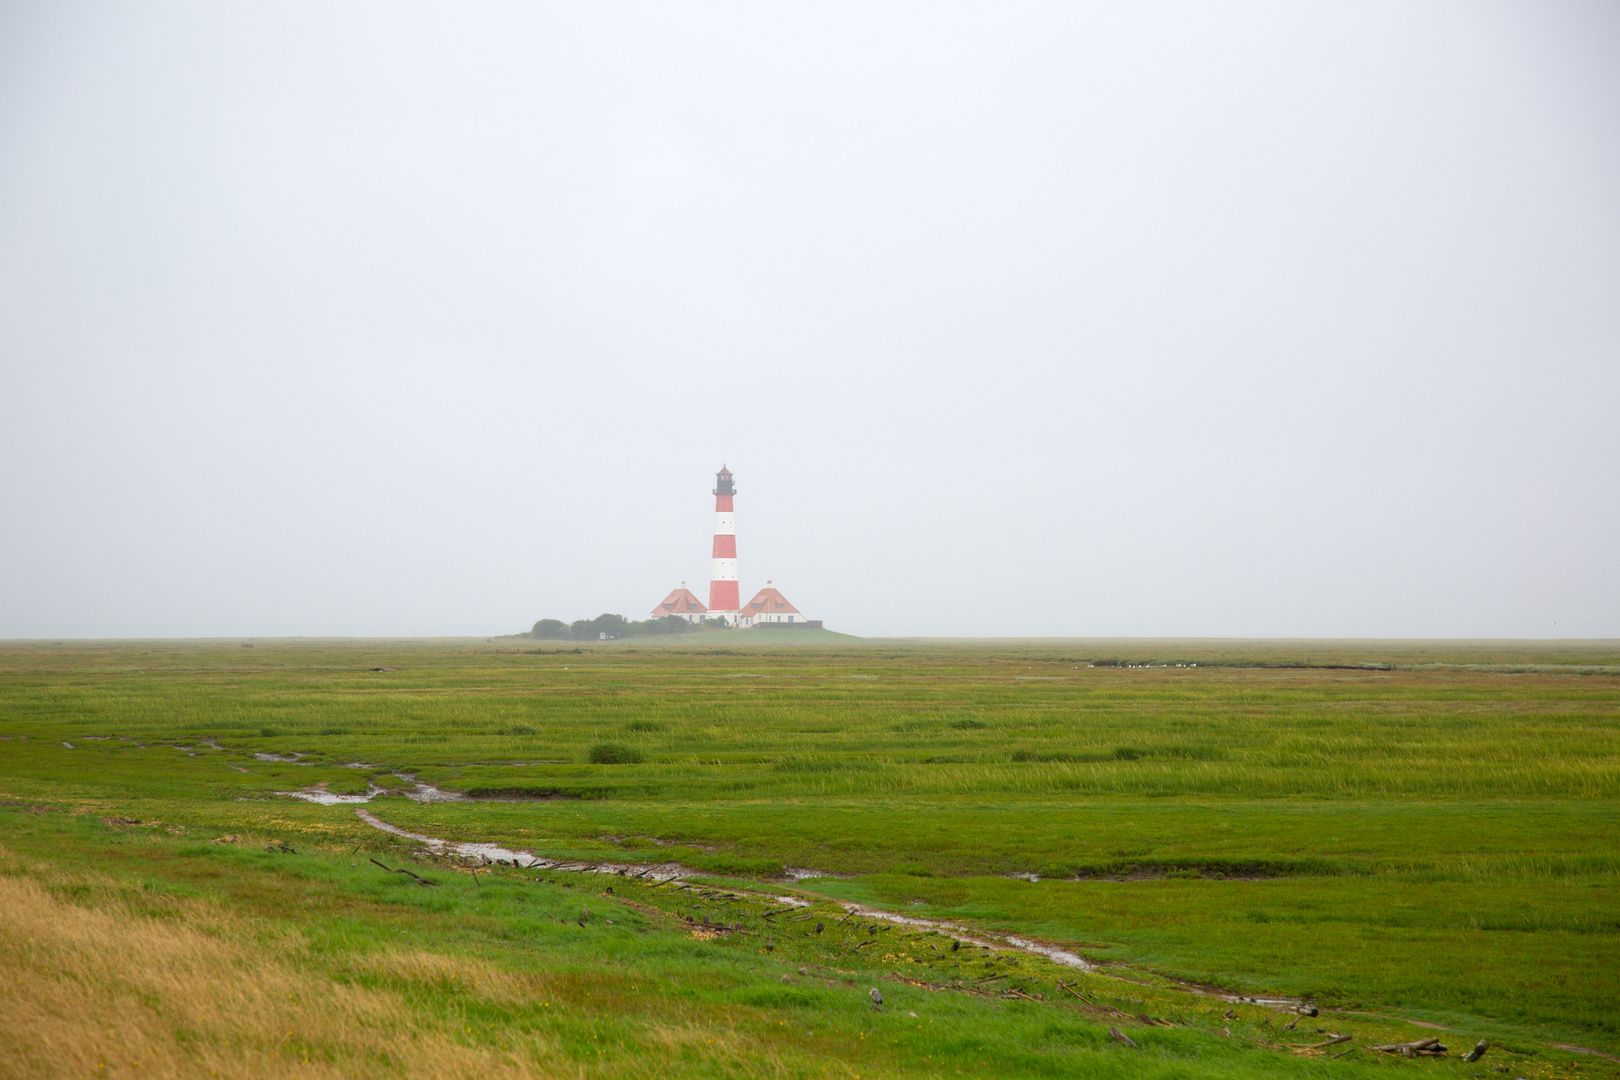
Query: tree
x=617, y=626
x=592, y=629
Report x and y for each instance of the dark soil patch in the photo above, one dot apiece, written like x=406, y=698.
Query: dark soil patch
x=25, y=807
x=1235, y=870
x=522, y=794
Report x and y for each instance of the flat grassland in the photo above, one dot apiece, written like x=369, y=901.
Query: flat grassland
x=1417, y=838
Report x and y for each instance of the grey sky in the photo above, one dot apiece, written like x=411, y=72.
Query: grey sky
x=1246, y=319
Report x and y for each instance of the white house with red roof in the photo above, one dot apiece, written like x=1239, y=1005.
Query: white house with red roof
x=768, y=606
x=681, y=602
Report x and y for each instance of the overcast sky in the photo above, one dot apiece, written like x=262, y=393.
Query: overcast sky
x=1012, y=319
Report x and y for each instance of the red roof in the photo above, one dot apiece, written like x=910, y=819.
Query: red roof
x=769, y=602
x=679, y=602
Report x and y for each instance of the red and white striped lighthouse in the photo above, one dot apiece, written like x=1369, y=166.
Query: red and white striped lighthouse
x=723, y=597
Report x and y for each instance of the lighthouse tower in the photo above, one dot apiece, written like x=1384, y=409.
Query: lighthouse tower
x=723, y=579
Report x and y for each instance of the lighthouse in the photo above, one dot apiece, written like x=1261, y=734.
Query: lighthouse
x=768, y=610
x=723, y=579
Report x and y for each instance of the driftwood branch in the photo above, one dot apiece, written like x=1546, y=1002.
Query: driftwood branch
x=1069, y=987
x=1478, y=1051
x=1302, y=1010
x=1416, y=1048
x=420, y=880
x=1065, y=986
x=1119, y=1036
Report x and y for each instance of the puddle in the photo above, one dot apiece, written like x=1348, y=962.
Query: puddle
x=494, y=853
x=975, y=937
x=320, y=795
x=424, y=793
x=427, y=793
x=801, y=873
x=1050, y=952
x=1240, y=999
x=69, y=745
x=528, y=860
x=288, y=758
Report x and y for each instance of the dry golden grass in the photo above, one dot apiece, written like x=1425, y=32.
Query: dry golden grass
x=99, y=980
x=109, y=992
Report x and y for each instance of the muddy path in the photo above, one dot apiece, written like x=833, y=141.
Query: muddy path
x=490, y=853
x=419, y=793
x=482, y=852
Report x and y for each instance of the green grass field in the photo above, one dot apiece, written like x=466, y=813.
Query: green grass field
x=1406, y=834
